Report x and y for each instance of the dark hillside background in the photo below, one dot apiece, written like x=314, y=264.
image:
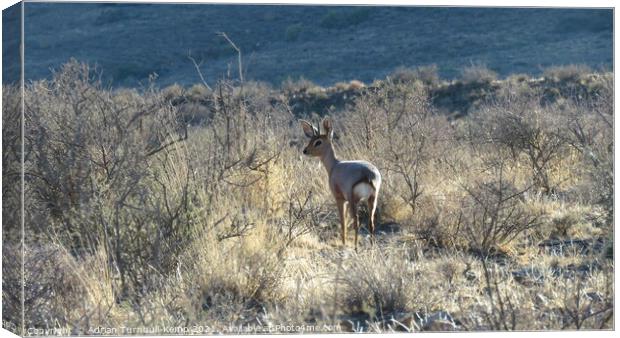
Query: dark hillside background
x=324, y=44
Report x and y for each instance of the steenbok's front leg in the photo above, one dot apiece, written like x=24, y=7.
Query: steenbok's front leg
x=343, y=219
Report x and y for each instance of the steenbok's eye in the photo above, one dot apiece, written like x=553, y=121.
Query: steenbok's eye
x=317, y=143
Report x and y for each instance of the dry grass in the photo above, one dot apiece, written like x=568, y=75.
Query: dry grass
x=136, y=220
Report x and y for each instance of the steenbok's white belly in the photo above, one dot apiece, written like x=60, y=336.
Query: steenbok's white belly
x=363, y=191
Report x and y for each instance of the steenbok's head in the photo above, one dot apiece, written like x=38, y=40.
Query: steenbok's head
x=318, y=143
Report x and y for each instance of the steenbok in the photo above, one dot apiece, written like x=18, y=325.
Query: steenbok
x=349, y=181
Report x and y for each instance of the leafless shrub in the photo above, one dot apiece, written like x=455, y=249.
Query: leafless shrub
x=12, y=281
x=532, y=133
x=240, y=149
x=397, y=127
x=291, y=85
x=477, y=73
x=90, y=153
x=11, y=163
x=199, y=92
x=173, y=92
x=301, y=218
x=428, y=75
x=588, y=129
x=493, y=212
x=502, y=313
x=12, y=261
x=581, y=308
x=566, y=73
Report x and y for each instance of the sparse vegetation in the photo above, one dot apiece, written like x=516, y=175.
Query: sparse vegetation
x=338, y=19
x=428, y=75
x=573, y=73
x=192, y=208
x=477, y=73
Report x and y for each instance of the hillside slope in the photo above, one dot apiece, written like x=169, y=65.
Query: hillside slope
x=322, y=43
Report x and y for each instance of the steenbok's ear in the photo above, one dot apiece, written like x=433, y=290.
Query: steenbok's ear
x=309, y=129
x=328, y=127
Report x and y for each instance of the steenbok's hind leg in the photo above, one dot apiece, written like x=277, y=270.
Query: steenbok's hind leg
x=356, y=221
x=372, y=207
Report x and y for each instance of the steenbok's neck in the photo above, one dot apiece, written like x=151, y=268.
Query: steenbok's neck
x=329, y=159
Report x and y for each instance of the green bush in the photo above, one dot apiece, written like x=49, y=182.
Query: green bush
x=293, y=31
